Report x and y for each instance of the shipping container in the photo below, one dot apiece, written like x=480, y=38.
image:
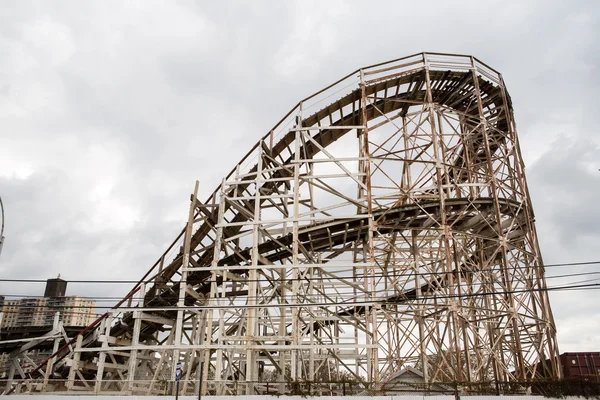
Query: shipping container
x=581, y=365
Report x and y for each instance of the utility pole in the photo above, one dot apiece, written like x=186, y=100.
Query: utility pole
x=200, y=388
x=2, y=226
x=177, y=378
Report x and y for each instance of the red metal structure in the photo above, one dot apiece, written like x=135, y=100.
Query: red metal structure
x=581, y=365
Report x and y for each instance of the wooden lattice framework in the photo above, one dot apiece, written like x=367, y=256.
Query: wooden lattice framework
x=384, y=222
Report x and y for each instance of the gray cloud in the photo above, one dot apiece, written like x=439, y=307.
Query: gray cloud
x=110, y=111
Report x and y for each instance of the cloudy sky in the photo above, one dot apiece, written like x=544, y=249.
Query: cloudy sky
x=110, y=110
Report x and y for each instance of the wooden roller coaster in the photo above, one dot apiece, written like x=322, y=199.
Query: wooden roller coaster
x=383, y=223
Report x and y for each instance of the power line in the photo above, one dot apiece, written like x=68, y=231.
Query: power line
x=122, y=281
x=593, y=286
x=331, y=294
x=336, y=293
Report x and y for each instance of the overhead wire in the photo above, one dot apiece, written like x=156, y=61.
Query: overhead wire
x=594, y=286
x=333, y=294
x=234, y=268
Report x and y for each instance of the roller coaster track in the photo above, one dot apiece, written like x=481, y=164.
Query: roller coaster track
x=285, y=269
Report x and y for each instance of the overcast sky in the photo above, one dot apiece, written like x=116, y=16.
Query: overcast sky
x=110, y=110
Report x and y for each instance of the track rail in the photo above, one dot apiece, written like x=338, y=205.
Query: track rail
x=431, y=204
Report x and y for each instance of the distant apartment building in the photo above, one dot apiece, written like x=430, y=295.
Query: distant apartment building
x=40, y=311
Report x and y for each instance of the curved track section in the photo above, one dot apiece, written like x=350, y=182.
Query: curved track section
x=384, y=222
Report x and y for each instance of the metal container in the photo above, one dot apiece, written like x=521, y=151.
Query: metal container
x=581, y=365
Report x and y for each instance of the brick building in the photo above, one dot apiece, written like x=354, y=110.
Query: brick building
x=40, y=311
